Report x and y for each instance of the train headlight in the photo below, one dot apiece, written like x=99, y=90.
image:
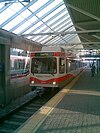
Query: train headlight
x=32, y=82
x=54, y=83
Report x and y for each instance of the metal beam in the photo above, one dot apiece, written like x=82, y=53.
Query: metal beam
x=72, y=44
x=64, y=33
x=83, y=12
x=5, y=0
x=87, y=40
x=91, y=22
x=14, y=1
x=15, y=41
x=85, y=29
x=86, y=43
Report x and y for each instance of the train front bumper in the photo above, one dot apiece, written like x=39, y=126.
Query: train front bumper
x=43, y=85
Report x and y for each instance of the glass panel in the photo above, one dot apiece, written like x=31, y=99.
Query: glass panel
x=29, y=37
x=33, y=19
x=4, y=15
x=51, y=42
x=35, y=38
x=50, y=24
x=61, y=20
x=54, y=20
x=46, y=29
x=53, y=13
x=48, y=8
x=16, y=7
x=25, y=14
x=1, y=5
x=57, y=40
x=22, y=27
x=68, y=35
x=42, y=38
x=34, y=27
x=46, y=39
x=13, y=23
x=63, y=25
x=37, y=5
x=60, y=42
x=44, y=65
x=40, y=28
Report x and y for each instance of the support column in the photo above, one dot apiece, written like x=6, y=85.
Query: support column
x=5, y=92
x=99, y=64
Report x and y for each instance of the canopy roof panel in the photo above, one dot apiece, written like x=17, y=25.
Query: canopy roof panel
x=35, y=17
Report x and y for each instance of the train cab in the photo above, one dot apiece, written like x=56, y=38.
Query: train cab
x=50, y=68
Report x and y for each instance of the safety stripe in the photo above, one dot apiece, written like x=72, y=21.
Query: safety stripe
x=60, y=79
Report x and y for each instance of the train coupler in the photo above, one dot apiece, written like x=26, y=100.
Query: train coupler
x=40, y=91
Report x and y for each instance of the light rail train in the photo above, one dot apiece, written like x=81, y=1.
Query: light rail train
x=19, y=66
x=51, y=68
x=19, y=75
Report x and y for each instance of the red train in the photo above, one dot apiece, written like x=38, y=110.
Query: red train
x=51, y=68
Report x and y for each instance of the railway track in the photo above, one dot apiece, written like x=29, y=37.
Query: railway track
x=16, y=118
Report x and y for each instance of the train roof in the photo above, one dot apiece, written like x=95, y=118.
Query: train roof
x=53, y=49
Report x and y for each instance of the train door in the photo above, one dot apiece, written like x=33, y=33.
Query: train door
x=67, y=65
x=61, y=65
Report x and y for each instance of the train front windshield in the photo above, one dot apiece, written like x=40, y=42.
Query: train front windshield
x=44, y=65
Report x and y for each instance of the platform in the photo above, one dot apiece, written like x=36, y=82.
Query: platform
x=75, y=109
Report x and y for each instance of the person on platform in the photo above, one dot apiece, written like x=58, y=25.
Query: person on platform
x=93, y=70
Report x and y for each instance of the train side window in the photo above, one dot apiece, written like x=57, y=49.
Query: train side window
x=19, y=64
x=72, y=65
x=61, y=65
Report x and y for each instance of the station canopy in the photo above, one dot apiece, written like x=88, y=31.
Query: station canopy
x=45, y=21
x=85, y=15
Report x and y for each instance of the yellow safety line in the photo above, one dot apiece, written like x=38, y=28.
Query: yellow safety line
x=34, y=122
